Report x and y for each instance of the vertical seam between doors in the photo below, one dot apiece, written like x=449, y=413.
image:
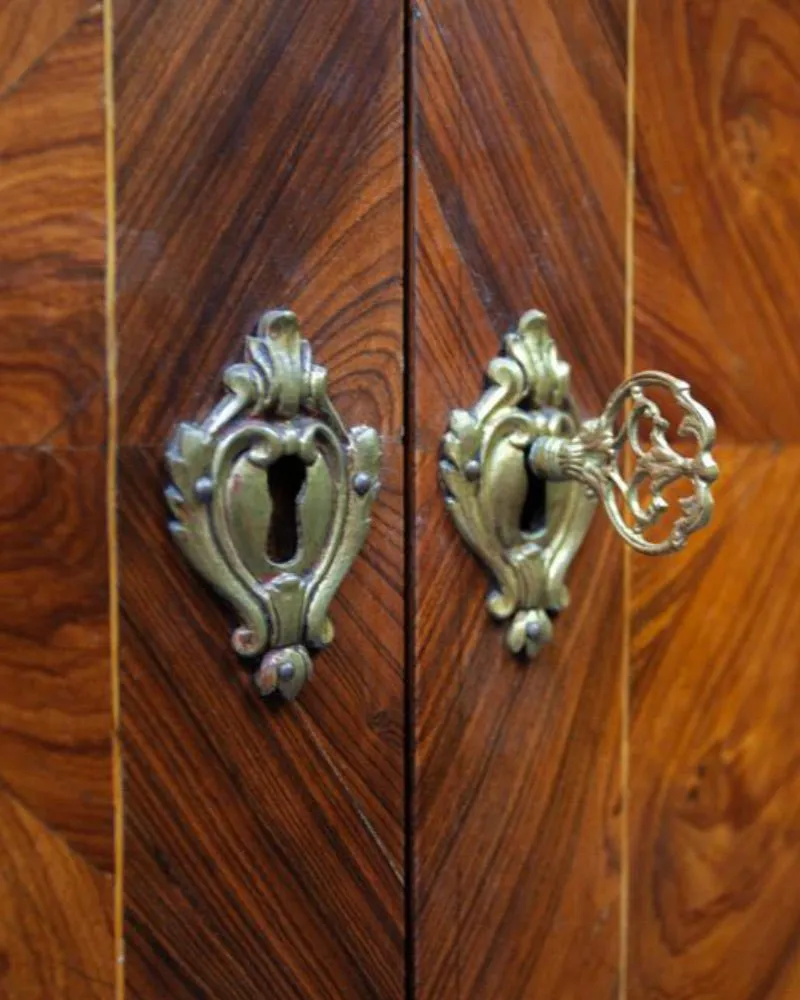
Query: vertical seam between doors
x=409, y=485
x=112, y=436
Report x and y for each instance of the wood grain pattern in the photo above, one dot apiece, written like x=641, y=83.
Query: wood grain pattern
x=56, y=844
x=262, y=171
x=30, y=30
x=718, y=219
x=715, y=760
x=251, y=861
x=520, y=185
x=52, y=206
x=715, y=632
x=56, y=809
x=56, y=937
x=260, y=165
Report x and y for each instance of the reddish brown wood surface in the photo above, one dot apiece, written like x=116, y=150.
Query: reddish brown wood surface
x=56, y=813
x=56, y=809
x=715, y=761
x=520, y=124
x=52, y=205
x=718, y=206
x=715, y=688
x=260, y=165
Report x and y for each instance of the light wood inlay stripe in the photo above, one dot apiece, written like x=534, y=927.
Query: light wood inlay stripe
x=111, y=493
x=628, y=353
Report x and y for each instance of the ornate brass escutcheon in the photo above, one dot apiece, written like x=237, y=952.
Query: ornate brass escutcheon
x=271, y=496
x=522, y=475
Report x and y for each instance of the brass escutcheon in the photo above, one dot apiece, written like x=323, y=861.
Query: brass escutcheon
x=526, y=424
x=276, y=418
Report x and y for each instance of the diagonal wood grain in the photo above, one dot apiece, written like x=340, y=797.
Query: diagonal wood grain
x=52, y=242
x=259, y=150
x=715, y=762
x=261, y=171
x=718, y=206
x=520, y=184
x=248, y=860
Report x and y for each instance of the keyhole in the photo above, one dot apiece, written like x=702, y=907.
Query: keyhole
x=534, y=510
x=285, y=480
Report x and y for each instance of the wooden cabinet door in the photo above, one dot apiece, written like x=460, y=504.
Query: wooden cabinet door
x=432, y=819
x=620, y=817
x=518, y=790
x=258, y=163
x=165, y=834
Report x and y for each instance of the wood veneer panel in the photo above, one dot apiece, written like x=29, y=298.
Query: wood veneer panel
x=718, y=220
x=260, y=165
x=715, y=631
x=520, y=181
x=715, y=760
x=29, y=30
x=259, y=151
x=56, y=811
x=52, y=233
x=56, y=930
x=250, y=859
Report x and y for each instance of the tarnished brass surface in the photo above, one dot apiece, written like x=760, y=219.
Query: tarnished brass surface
x=483, y=471
x=222, y=500
x=525, y=422
x=593, y=457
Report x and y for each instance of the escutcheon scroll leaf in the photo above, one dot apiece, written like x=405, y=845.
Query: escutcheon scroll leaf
x=484, y=477
x=526, y=422
x=276, y=407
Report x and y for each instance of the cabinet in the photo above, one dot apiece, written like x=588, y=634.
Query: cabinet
x=431, y=818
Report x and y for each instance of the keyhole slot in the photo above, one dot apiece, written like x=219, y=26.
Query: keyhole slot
x=285, y=480
x=533, y=518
